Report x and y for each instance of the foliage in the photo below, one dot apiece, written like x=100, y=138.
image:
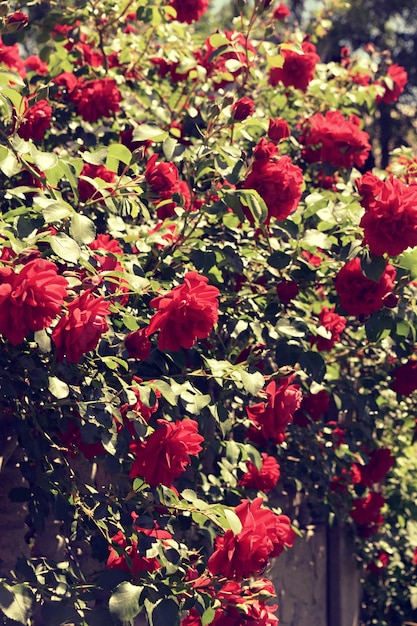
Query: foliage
x=190, y=296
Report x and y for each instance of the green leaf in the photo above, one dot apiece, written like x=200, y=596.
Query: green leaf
x=146, y=131
x=65, y=247
x=373, y=266
x=208, y=616
x=379, y=326
x=16, y=602
x=279, y=260
x=164, y=612
x=52, y=210
x=82, y=229
x=43, y=160
x=118, y=153
x=58, y=388
x=124, y=601
x=407, y=260
x=168, y=147
x=252, y=382
x=235, y=524
x=312, y=363
x=9, y=164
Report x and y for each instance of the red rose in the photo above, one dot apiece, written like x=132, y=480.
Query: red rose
x=333, y=326
x=278, y=129
x=265, y=478
x=281, y=12
x=360, y=295
x=96, y=98
x=369, y=187
x=278, y=182
x=161, y=176
x=313, y=406
x=287, y=290
x=80, y=329
x=185, y=314
x=128, y=558
x=10, y=56
x=68, y=82
x=163, y=179
x=366, y=513
x=138, y=345
x=106, y=243
x=263, y=536
x=16, y=21
x=405, y=378
x=273, y=416
x=398, y=78
x=242, y=108
x=85, y=189
x=240, y=606
x=298, y=68
x=390, y=219
x=335, y=139
x=378, y=466
x=379, y=564
x=189, y=10
x=35, y=64
x=166, y=452
x=30, y=299
x=37, y=121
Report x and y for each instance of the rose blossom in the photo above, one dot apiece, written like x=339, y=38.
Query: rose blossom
x=80, y=329
x=189, y=10
x=366, y=513
x=264, y=535
x=277, y=180
x=399, y=77
x=30, y=299
x=35, y=64
x=242, y=108
x=106, y=243
x=138, y=345
x=96, y=98
x=390, y=219
x=298, y=68
x=281, y=12
x=85, y=189
x=333, y=138
x=265, y=478
x=287, y=290
x=271, y=418
x=405, y=378
x=16, y=21
x=185, y=314
x=360, y=295
x=163, y=180
x=166, y=452
x=278, y=129
x=36, y=122
x=378, y=466
x=334, y=325
x=379, y=564
x=10, y=56
x=313, y=406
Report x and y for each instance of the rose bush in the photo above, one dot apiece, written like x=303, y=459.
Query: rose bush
x=207, y=309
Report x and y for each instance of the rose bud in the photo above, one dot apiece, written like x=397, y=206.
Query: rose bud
x=16, y=21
